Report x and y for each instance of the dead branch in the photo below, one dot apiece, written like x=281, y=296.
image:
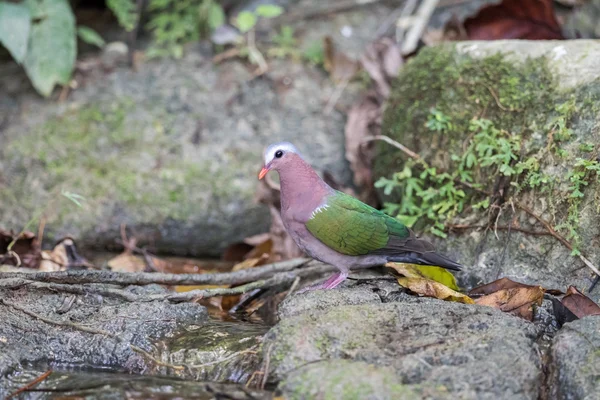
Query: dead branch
x=559, y=237
x=105, y=290
x=397, y=145
x=147, y=278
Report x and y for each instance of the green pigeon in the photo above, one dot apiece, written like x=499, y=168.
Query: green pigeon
x=338, y=229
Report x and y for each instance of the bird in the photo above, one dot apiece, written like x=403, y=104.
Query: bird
x=338, y=229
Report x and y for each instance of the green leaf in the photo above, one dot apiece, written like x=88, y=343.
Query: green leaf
x=245, y=21
x=125, y=11
x=90, y=36
x=437, y=274
x=15, y=23
x=52, y=45
x=216, y=16
x=269, y=11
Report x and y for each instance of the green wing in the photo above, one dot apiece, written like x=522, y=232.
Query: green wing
x=351, y=227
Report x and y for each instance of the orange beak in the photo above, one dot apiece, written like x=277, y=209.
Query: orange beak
x=263, y=172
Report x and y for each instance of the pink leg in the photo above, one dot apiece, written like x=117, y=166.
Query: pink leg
x=332, y=282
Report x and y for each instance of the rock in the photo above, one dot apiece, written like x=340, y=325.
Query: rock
x=172, y=151
x=417, y=345
x=342, y=379
x=575, y=373
x=27, y=340
x=114, y=54
x=315, y=301
x=542, y=97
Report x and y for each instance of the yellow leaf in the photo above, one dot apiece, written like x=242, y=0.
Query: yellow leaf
x=429, y=288
x=437, y=274
x=187, y=288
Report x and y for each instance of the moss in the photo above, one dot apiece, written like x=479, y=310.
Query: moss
x=521, y=99
x=117, y=162
x=340, y=379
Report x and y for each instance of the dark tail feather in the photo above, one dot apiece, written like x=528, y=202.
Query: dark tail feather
x=429, y=258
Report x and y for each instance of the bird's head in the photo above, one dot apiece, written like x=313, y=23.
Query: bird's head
x=277, y=156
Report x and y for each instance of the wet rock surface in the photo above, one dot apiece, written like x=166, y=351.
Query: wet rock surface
x=105, y=334
x=108, y=386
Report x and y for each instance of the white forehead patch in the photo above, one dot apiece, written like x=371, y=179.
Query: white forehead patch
x=286, y=147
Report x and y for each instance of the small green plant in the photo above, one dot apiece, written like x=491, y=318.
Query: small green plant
x=438, y=196
x=285, y=44
x=315, y=53
x=245, y=22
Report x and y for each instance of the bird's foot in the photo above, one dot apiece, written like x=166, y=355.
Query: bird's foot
x=332, y=282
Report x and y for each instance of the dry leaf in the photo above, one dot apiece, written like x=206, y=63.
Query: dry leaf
x=515, y=19
x=499, y=284
x=251, y=263
x=359, y=125
x=382, y=61
x=26, y=248
x=579, y=304
x=64, y=256
x=127, y=262
x=420, y=279
x=437, y=274
x=429, y=288
x=341, y=68
x=516, y=300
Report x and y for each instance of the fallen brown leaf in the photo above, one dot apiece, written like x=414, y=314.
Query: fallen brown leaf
x=429, y=288
x=515, y=19
x=516, y=300
x=499, y=284
x=382, y=61
x=127, y=262
x=341, y=68
x=62, y=257
x=579, y=304
x=360, y=121
x=421, y=281
x=25, y=252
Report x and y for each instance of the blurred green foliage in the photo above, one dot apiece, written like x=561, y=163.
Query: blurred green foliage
x=41, y=35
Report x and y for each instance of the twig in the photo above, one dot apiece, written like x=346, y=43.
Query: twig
x=560, y=238
x=30, y=384
x=293, y=287
x=320, y=9
x=423, y=16
x=391, y=141
x=267, y=364
x=255, y=54
x=55, y=322
x=496, y=98
x=147, y=278
x=405, y=12
x=500, y=228
x=100, y=289
x=227, y=54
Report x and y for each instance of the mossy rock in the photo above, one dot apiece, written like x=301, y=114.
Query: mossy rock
x=171, y=151
x=540, y=100
x=408, y=348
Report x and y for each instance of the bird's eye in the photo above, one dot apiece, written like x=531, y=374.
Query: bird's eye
x=278, y=154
